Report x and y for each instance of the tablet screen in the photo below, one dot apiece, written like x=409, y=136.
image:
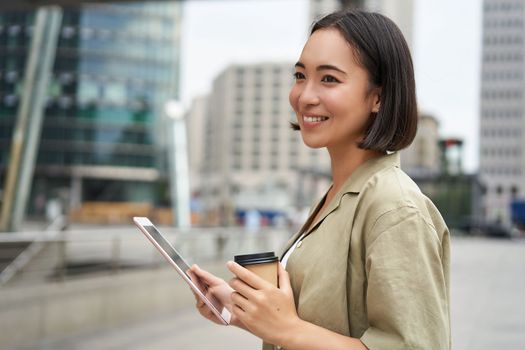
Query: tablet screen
x=168, y=248
x=177, y=259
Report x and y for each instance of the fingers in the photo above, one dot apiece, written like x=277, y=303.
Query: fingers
x=247, y=276
x=200, y=303
x=195, y=279
x=205, y=311
x=242, y=288
x=205, y=276
x=240, y=301
x=238, y=312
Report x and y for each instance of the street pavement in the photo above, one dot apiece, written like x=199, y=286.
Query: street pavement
x=488, y=294
x=184, y=330
x=488, y=310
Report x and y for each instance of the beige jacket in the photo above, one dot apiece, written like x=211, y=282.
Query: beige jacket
x=375, y=265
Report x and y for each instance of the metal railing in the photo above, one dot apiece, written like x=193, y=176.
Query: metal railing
x=61, y=255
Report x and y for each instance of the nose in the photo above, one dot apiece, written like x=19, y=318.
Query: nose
x=308, y=95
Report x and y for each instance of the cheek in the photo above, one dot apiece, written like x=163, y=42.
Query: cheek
x=293, y=97
x=345, y=103
x=337, y=104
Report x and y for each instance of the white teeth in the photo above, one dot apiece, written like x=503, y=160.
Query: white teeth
x=314, y=119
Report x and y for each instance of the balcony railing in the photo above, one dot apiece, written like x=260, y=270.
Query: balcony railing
x=57, y=256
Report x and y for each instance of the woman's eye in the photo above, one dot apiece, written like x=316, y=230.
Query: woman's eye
x=329, y=79
x=298, y=75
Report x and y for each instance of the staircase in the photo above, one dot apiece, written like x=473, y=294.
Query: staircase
x=9, y=251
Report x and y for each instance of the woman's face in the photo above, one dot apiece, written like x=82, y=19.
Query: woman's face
x=332, y=97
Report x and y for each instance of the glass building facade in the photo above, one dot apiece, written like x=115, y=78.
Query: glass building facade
x=116, y=65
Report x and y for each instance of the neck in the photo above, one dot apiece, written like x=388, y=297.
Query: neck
x=346, y=161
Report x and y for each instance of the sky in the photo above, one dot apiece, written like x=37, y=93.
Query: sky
x=446, y=51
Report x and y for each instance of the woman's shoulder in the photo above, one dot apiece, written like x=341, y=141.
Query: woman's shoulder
x=391, y=193
x=391, y=187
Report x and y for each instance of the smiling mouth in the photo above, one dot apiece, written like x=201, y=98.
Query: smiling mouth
x=319, y=119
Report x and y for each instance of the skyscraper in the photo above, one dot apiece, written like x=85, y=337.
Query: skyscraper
x=115, y=67
x=320, y=8
x=502, y=162
x=401, y=12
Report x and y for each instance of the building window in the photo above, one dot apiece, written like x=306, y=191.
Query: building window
x=10, y=100
x=11, y=76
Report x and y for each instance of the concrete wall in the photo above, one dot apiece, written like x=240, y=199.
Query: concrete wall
x=31, y=314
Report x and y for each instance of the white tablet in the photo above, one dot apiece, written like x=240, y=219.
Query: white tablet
x=175, y=259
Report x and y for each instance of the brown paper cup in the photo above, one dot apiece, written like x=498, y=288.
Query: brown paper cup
x=263, y=265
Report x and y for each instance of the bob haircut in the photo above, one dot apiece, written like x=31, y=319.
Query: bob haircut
x=380, y=48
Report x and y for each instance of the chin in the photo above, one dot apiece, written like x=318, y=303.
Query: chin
x=313, y=143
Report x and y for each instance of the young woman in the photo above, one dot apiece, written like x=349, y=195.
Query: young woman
x=370, y=267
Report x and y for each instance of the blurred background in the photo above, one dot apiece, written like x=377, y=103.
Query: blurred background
x=178, y=111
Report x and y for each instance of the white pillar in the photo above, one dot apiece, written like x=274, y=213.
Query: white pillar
x=178, y=162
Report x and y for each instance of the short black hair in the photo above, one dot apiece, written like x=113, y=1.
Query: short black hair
x=379, y=46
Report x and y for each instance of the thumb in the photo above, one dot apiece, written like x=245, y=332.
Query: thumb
x=284, y=280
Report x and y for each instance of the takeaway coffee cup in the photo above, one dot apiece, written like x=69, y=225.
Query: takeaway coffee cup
x=264, y=265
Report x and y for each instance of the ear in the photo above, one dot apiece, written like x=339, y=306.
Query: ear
x=376, y=99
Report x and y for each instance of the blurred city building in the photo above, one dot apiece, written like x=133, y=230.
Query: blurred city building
x=252, y=158
x=435, y=164
x=455, y=193
x=401, y=12
x=34, y=4
x=102, y=138
x=451, y=150
x=320, y=8
x=422, y=157
x=502, y=162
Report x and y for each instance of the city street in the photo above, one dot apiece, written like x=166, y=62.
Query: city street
x=488, y=309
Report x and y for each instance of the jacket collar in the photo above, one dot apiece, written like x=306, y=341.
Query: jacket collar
x=356, y=181
x=353, y=185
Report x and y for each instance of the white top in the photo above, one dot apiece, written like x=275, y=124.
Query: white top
x=290, y=251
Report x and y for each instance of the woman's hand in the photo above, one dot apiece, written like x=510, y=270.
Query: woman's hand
x=265, y=310
x=216, y=288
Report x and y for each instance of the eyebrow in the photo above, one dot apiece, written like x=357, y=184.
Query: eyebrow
x=322, y=67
